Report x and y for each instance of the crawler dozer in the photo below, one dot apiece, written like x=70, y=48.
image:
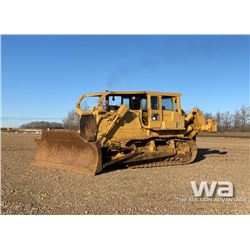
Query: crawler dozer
x=135, y=129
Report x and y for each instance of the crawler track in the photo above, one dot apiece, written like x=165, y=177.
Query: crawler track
x=178, y=159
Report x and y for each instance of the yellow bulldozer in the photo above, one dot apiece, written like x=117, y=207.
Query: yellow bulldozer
x=135, y=129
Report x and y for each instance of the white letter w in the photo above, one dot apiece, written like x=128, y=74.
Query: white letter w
x=203, y=186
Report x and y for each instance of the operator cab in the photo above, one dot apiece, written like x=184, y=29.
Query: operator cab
x=155, y=110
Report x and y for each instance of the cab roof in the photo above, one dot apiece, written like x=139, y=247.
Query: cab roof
x=135, y=93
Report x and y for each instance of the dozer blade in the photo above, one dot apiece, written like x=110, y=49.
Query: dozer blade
x=68, y=151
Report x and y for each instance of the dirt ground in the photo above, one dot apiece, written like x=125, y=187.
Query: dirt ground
x=32, y=190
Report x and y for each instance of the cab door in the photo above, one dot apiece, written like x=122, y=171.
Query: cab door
x=155, y=114
x=172, y=118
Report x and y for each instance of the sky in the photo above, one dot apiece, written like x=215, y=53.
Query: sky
x=43, y=76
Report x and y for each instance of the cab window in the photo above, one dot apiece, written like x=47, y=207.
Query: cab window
x=144, y=104
x=154, y=102
x=167, y=103
x=114, y=102
x=125, y=101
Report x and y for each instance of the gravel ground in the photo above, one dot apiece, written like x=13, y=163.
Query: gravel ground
x=32, y=190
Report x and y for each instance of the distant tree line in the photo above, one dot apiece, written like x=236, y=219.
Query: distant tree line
x=237, y=121
x=42, y=125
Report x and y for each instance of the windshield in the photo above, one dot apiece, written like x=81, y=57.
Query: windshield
x=133, y=102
